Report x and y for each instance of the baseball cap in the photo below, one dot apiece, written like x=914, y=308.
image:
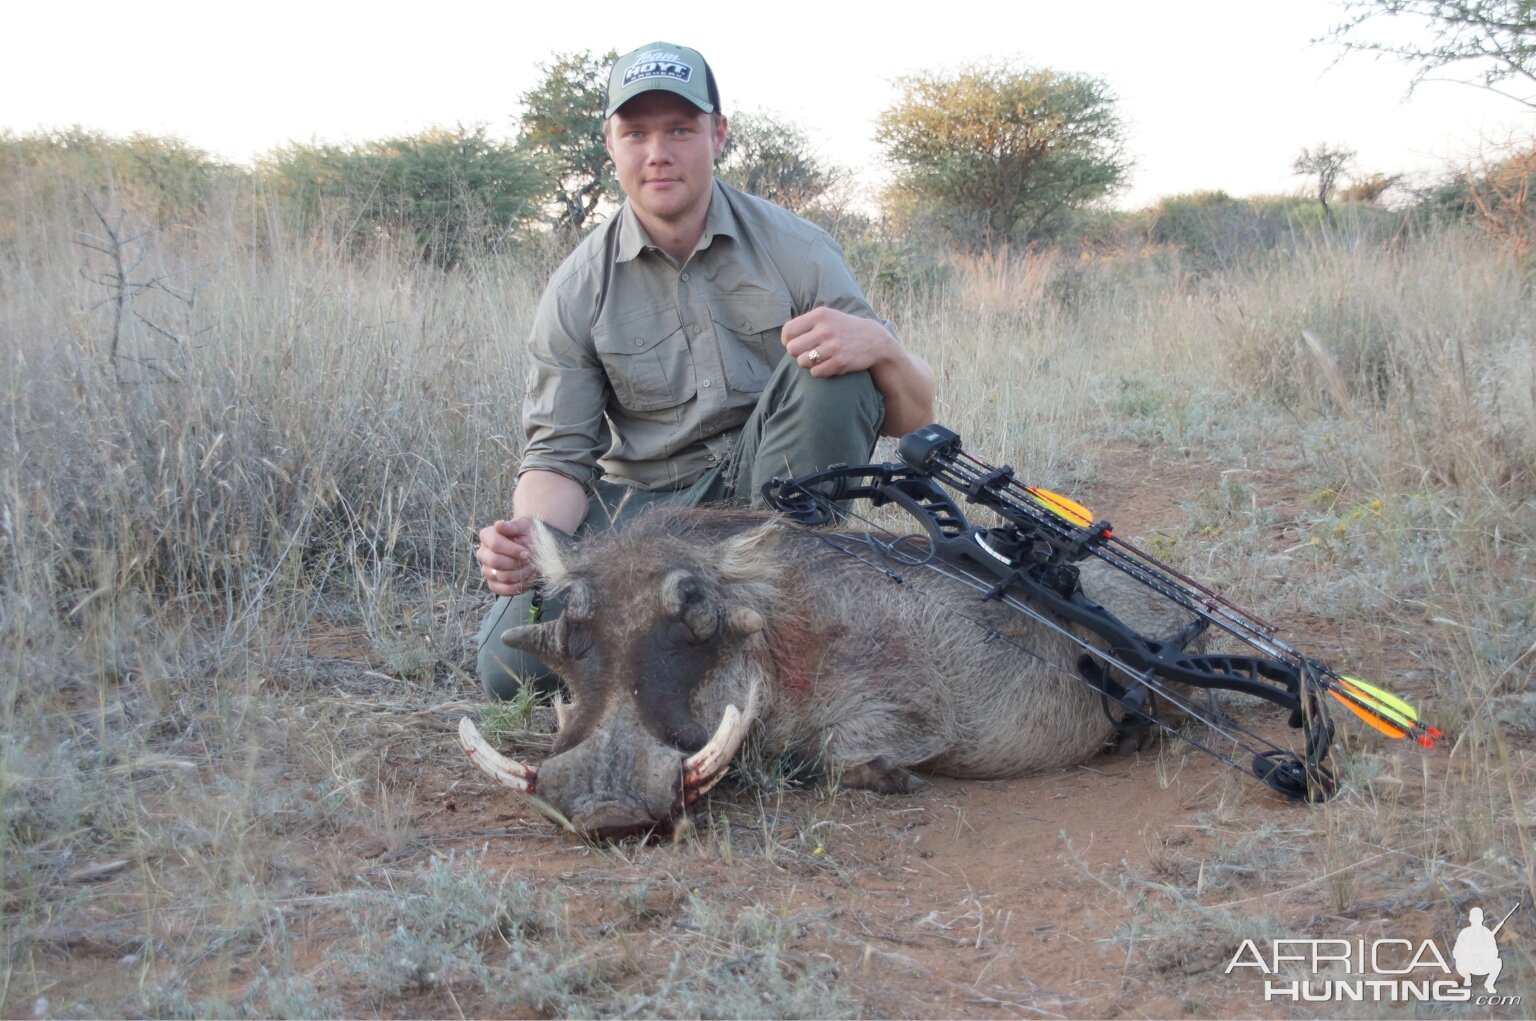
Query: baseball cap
x=662, y=66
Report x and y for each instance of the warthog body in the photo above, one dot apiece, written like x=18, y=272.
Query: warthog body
x=688, y=612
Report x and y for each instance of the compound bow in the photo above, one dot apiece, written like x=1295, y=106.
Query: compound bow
x=1028, y=564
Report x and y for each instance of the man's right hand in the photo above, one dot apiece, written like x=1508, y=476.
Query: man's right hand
x=505, y=555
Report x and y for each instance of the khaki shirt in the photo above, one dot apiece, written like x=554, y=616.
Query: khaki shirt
x=645, y=371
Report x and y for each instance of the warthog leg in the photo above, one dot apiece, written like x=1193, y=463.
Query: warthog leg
x=882, y=775
x=509, y=771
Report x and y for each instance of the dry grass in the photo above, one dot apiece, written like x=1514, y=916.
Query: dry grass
x=242, y=472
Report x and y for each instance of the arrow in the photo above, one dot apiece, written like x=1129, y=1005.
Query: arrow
x=1063, y=507
x=1382, y=710
x=1377, y=707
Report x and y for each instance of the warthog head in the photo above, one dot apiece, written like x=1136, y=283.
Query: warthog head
x=657, y=646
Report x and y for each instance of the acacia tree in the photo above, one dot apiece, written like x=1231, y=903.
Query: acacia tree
x=994, y=153
x=772, y=159
x=1326, y=164
x=1490, y=43
x=562, y=131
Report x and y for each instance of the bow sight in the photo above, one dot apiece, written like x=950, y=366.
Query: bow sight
x=1028, y=561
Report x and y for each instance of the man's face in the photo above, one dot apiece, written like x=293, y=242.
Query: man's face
x=664, y=150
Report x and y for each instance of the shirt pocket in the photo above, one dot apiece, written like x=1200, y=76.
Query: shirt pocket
x=750, y=330
x=647, y=360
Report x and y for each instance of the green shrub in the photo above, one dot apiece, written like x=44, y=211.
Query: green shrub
x=157, y=179
x=443, y=194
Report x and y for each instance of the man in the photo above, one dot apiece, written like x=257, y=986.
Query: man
x=698, y=343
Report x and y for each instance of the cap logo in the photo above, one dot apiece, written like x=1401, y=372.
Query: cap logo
x=657, y=64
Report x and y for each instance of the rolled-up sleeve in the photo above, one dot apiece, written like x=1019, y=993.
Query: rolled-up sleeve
x=826, y=280
x=566, y=393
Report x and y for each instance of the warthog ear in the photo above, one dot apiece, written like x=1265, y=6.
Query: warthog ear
x=549, y=545
x=745, y=556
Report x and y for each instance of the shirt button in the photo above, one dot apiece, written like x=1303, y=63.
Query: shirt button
x=639, y=341
x=706, y=384
x=694, y=329
x=685, y=277
x=746, y=324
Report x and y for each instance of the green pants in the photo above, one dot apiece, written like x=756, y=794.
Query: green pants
x=801, y=424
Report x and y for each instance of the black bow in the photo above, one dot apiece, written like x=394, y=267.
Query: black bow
x=1028, y=563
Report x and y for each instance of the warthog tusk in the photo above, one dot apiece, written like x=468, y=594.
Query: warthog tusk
x=704, y=768
x=509, y=771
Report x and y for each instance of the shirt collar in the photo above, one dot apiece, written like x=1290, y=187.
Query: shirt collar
x=719, y=221
x=632, y=237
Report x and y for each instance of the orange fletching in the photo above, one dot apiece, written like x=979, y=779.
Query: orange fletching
x=1061, y=506
x=1369, y=717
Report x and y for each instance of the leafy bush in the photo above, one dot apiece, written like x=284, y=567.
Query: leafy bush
x=445, y=194
x=158, y=179
x=1216, y=231
x=894, y=270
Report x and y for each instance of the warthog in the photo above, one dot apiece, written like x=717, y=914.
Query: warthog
x=698, y=622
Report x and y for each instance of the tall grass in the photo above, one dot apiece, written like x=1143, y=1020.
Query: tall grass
x=225, y=438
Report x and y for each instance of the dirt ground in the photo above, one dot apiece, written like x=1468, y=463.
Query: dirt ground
x=965, y=900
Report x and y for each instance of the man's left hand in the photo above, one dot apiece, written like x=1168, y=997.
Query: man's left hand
x=830, y=343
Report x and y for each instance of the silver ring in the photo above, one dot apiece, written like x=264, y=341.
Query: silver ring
x=495, y=574
x=814, y=356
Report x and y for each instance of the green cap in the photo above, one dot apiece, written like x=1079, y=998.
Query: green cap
x=662, y=66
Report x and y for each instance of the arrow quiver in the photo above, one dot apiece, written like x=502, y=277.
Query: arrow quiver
x=1029, y=563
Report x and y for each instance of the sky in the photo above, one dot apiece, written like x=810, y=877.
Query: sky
x=1215, y=94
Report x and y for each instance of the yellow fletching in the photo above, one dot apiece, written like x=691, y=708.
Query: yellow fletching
x=1407, y=720
x=1369, y=716
x=1383, y=710
x=1386, y=698
x=1061, y=506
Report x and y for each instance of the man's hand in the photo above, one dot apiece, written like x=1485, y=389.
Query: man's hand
x=831, y=343
x=505, y=555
